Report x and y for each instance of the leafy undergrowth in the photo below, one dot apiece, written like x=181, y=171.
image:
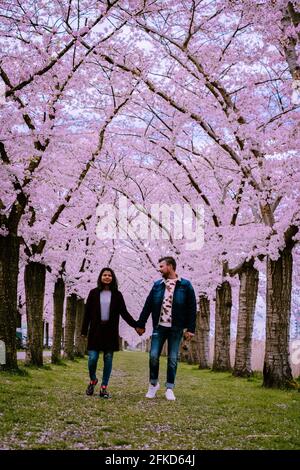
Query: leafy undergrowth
x=47, y=408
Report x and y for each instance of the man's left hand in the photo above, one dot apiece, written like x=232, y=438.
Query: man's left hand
x=188, y=335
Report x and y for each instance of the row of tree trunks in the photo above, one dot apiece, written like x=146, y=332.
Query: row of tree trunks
x=35, y=275
x=75, y=345
x=277, y=370
x=34, y=280
x=197, y=350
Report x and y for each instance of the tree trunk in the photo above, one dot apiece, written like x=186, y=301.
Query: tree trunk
x=277, y=370
x=195, y=351
x=58, y=302
x=34, y=277
x=148, y=345
x=198, y=346
x=221, y=360
x=63, y=338
x=193, y=345
x=70, y=326
x=249, y=277
x=80, y=343
x=47, y=334
x=204, y=327
x=9, y=270
x=183, y=350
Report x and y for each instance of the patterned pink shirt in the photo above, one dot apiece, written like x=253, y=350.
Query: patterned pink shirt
x=166, y=308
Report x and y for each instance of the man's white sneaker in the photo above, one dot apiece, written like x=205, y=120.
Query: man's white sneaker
x=170, y=394
x=152, y=390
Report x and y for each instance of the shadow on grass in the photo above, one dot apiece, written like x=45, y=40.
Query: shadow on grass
x=35, y=367
x=20, y=371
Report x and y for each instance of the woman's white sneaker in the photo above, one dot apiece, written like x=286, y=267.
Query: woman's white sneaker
x=170, y=394
x=152, y=390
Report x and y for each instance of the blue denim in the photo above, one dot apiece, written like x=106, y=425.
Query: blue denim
x=92, y=365
x=160, y=334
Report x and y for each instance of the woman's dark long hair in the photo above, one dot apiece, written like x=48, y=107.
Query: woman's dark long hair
x=114, y=283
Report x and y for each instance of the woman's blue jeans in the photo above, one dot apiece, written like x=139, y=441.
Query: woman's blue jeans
x=160, y=334
x=93, y=361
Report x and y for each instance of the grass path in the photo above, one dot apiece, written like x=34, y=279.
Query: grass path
x=47, y=409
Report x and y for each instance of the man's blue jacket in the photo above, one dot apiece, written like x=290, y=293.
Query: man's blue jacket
x=183, y=307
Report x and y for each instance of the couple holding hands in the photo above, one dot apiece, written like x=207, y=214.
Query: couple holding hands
x=171, y=302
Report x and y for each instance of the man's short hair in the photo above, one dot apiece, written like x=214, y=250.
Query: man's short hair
x=169, y=260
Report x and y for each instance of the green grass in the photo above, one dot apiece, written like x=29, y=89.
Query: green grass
x=47, y=408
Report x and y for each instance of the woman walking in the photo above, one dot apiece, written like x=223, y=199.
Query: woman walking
x=103, y=308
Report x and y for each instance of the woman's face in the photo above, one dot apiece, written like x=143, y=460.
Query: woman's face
x=106, y=278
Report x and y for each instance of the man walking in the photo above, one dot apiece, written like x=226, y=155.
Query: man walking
x=172, y=303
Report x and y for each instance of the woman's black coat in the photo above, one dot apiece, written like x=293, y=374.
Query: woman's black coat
x=104, y=336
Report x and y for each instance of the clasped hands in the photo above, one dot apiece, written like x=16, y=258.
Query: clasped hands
x=140, y=331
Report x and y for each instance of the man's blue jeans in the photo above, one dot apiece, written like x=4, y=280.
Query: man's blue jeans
x=92, y=365
x=160, y=334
